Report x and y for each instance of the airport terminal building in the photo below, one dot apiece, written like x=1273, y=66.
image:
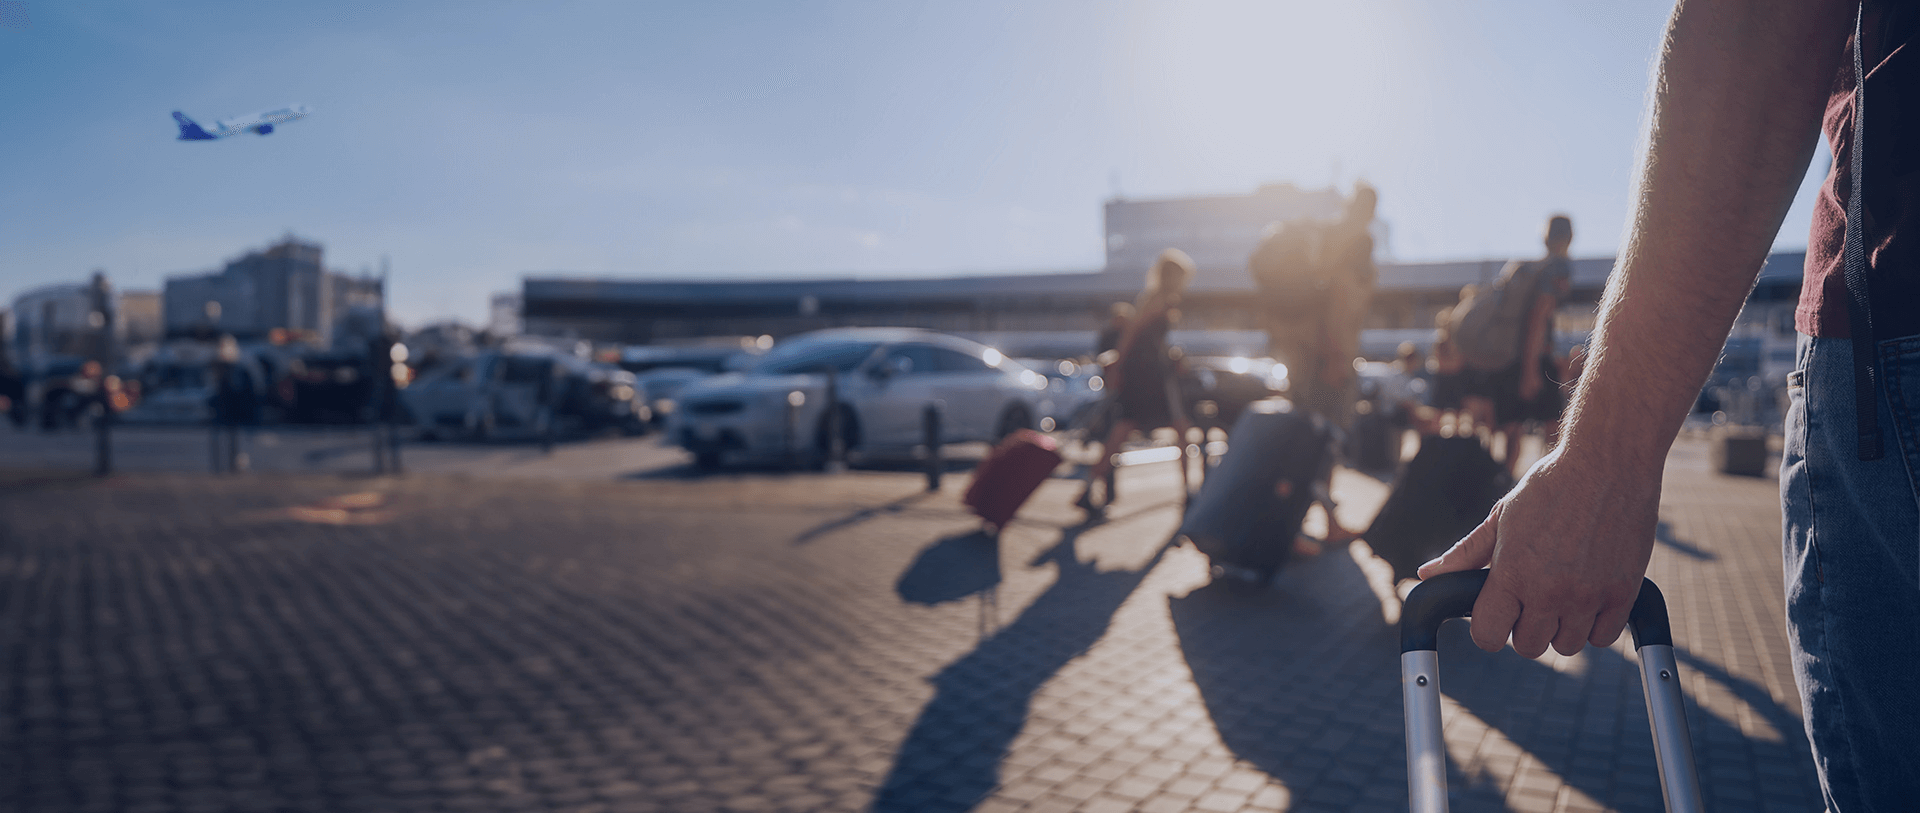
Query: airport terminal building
x=1219, y=232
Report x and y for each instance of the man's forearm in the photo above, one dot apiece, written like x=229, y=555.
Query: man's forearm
x=1735, y=113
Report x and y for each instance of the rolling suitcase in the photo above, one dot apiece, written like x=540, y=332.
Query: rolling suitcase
x=1251, y=504
x=1452, y=596
x=1010, y=474
x=1444, y=493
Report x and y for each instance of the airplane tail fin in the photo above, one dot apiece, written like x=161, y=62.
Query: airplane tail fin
x=189, y=131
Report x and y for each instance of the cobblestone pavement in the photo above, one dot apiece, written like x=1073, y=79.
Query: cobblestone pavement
x=343, y=450
x=760, y=642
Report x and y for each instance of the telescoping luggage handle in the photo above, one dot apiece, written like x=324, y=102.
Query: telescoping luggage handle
x=1452, y=596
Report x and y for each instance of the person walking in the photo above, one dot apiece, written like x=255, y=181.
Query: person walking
x=1317, y=280
x=1741, y=90
x=1526, y=387
x=1146, y=395
x=1106, y=345
x=235, y=405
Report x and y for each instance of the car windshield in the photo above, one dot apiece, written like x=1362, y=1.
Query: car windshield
x=808, y=357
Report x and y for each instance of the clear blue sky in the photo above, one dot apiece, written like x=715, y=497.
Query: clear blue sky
x=472, y=142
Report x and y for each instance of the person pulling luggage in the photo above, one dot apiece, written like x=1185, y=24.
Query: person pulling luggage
x=1145, y=394
x=1316, y=280
x=1740, y=93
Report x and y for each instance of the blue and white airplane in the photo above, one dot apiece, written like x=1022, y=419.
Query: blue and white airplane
x=261, y=123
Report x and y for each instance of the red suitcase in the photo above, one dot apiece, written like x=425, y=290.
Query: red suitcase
x=1010, y=474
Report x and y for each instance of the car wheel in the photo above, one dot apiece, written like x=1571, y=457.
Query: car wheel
x=706, y=461
x=1014, y=419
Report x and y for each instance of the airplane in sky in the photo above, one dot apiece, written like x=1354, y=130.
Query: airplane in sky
x=261, y=123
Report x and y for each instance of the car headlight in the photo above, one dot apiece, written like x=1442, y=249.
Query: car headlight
x=665, y=406
x=783, y=399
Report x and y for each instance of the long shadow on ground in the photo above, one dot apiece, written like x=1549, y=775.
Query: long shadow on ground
x=952, y=569
x=951, y=758
x=1303, y=682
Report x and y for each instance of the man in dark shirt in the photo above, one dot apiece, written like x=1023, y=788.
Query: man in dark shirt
x=1742, y=89
x=1528, y=388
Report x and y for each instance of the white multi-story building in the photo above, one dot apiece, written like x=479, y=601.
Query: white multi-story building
x=283, y=287
x=65, y=319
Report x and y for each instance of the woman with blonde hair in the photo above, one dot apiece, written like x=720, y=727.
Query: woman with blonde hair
x=1145, y=393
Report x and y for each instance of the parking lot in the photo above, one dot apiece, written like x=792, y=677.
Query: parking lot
x=599, y=630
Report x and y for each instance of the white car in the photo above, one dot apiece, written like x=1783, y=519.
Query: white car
x=1072, y=389
x=482, y=396
x=884, y=379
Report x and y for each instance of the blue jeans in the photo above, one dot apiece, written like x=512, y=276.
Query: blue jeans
x=1852, y=550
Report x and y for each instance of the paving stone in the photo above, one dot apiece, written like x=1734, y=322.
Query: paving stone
x=753, y=641
x=1107, y=804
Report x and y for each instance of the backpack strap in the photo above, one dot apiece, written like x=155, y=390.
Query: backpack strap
x=1854, y=260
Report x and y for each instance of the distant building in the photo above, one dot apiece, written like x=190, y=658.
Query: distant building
x=140, y=317
x=1405, y=303
x=283, y=287
x=503, y=315
x=1218, y=231
x=68, y=319
x=640, y=312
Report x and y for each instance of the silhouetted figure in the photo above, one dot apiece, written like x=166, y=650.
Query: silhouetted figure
x=235, y=404
x=1141, y=380
x=1518, y=315
x=1316, y=281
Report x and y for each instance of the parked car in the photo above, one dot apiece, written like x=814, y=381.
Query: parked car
x=1073, y=388
x=326, y=388
x=597, y=398
x=884, y=380
x=521, y=394
x=56, y=393
x=660, y=373
x=174, y=390
x=1218, y=388
x=481, y=396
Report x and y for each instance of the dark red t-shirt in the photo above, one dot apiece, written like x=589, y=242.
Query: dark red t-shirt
x=1890, y=50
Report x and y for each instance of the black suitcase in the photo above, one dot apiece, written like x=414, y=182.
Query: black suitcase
x=1446, y=490
x=1250, y=507
x=1451, y=595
